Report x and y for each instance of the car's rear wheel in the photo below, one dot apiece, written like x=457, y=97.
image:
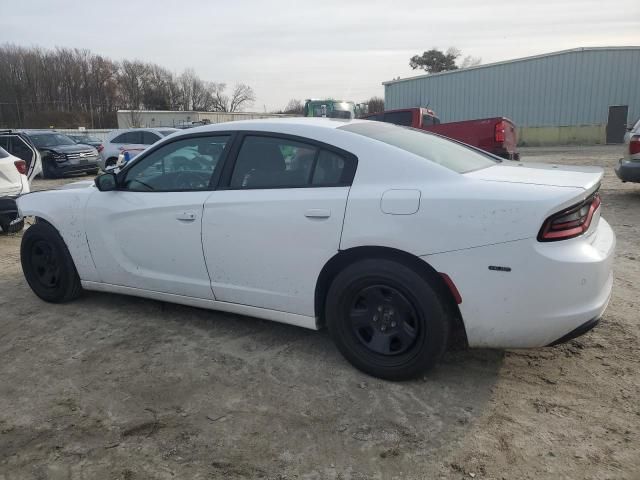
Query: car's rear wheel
x=386, y=319
x=47, y=264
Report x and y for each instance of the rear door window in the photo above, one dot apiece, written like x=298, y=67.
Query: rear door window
x=330, y=169
x=129, y=137
x=399, y=118
x=269, y=162
x=273, y=162
x=149, y=138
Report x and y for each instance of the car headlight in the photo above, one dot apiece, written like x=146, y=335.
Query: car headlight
x=58, y=157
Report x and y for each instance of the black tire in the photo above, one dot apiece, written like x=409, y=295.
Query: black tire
x=109, y=162
x=48, y=170
x=11, y=226
x=47, y=264
x=361, y=305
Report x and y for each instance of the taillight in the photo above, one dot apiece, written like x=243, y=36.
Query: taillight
x=634, y=145
x=100, y=148
x=21, y=165
x=500, y=131
x=571, y=222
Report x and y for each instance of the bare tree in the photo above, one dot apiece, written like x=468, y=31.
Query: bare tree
x=242, y=97
x=69, y=87
x=470, y=61
x=376, y=104
x=294, y=107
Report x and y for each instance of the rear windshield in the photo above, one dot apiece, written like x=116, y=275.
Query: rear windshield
x=447, y=153
x=3, y=153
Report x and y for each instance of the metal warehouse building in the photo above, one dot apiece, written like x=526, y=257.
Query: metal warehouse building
x=584, y=95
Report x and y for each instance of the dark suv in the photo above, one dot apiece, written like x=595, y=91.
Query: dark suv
x=62, y=156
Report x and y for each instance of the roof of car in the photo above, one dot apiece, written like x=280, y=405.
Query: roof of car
x=264, y=123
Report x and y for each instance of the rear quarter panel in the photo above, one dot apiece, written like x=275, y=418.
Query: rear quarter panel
x=455, y=211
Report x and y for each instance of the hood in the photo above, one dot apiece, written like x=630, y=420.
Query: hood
x=75, y=148
x=74, y=185
x=586, y=178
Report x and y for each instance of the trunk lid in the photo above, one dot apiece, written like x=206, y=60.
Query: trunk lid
x=587, y=178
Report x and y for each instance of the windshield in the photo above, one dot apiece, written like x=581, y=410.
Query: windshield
x=3, y=153
x=42, y=140
x=447, y=153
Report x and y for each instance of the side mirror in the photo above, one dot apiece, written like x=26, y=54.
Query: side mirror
x=106, y=182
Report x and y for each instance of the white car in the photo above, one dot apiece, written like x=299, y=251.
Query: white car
x=133, y=138
x=393, y=238
x=13, y=183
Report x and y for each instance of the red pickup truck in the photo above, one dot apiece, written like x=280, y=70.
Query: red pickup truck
x=495, y=135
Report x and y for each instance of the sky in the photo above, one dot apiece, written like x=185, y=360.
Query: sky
x=315, y=49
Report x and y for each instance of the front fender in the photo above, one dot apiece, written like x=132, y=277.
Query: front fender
x=65, y=211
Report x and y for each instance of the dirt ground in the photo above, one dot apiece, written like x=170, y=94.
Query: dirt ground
x=114, y=387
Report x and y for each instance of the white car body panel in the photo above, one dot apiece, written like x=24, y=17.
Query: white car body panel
x=266, y=248
x=149, y=241
x=12, y=182
x=255, y=252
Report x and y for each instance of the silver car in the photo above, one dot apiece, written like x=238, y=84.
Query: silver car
x=130, y=138
x=628, y=169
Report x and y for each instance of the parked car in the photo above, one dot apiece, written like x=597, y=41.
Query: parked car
x=13, y=183
x=306, y=221
x=628, y=168
x=19, y=145
x=85, y=139
x=131, y=138
x=495, y=135
x=128, y=153
x=61, y=156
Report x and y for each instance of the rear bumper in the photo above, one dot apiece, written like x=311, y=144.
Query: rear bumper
x=575, y=333
x=552, y=289
x=628, y=171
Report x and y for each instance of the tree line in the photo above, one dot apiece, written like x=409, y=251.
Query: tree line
x=67, y=87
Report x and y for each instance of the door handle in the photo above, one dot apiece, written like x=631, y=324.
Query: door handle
x=186, y=216
x=317, y=213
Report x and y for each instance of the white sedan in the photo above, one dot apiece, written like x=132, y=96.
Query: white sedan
x=395, y=239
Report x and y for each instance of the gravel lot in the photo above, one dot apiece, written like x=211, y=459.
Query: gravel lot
x=117, y=387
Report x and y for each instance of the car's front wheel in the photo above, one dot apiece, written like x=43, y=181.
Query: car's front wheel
x=48, y=170
x=387, y=319
x=47, y=264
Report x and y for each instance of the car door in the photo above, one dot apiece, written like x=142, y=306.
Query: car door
x=275, y=221
x=147, y=233
x=18, y=147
